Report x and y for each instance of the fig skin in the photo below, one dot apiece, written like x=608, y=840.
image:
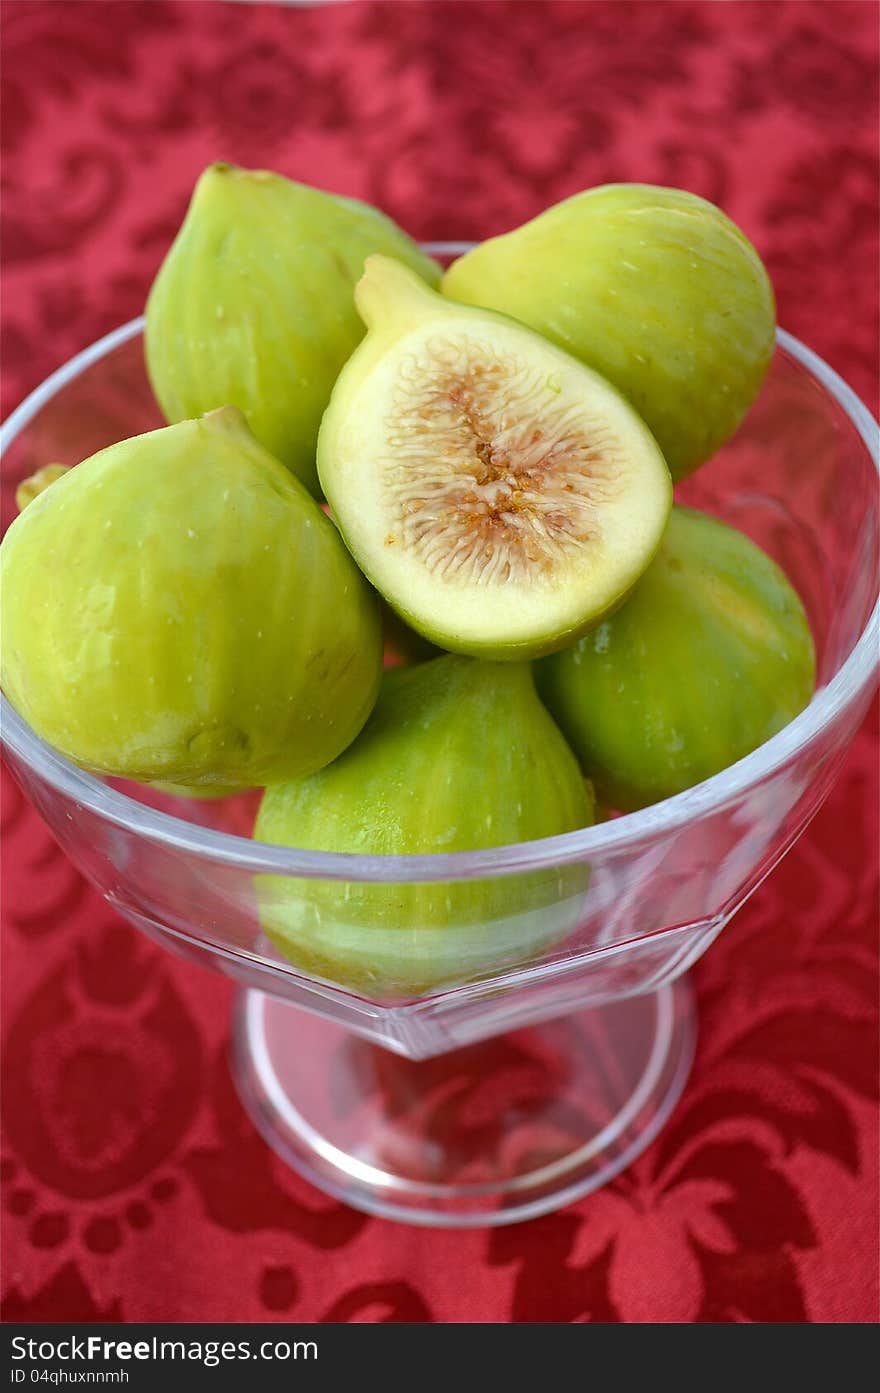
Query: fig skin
x=711, y=655
x=177, y=608
x=622, y=491
x=254, y=304
x=458, y=755
x=403, y=646
x=653, y=287
x=37, y=483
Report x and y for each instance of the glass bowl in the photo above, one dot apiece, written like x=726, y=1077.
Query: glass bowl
x=558, y=1029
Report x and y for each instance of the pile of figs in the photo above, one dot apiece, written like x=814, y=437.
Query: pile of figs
x=479, y=463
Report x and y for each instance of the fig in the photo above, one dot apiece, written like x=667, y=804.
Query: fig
x=653, y=287
x=177, y=608
x=27, y=491
x=403, y=645
x=710, y=656
x=206, y=792
x=500, y=496
x=36, y=483
x=458, y=755
x=254, y=304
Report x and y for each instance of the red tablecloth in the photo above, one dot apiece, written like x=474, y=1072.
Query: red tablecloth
x=123, y=1201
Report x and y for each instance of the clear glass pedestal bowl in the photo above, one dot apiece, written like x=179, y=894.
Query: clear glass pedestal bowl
x=563, y=1031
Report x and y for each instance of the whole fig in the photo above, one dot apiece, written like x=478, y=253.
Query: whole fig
x=710, y=656
x=36, y=483
x=458, y=755
x=654, y=288
x=177, y=608
x=254, y=304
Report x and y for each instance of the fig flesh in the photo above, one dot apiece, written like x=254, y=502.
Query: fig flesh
x=710, y=656
x=177, y=608
x=500, y=496
x=656, y=289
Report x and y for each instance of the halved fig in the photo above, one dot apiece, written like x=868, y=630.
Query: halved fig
x=501, y=496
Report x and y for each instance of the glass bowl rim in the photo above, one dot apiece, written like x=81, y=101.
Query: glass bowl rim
x=853, y=678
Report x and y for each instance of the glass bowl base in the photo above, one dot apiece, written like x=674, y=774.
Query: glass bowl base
x=493, y=1133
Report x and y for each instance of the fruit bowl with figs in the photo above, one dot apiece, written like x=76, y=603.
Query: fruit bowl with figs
x=459, y=897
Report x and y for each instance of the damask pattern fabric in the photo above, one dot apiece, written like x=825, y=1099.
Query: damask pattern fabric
x=134, y=1188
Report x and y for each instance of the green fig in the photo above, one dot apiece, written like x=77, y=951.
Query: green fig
x=500, y=496
x=458, y=755
x=254, y=304
x=206, y=793
x=37, y=483
x=31, y=488
x=653, y=287
x=177, y=608
x=710, y=656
